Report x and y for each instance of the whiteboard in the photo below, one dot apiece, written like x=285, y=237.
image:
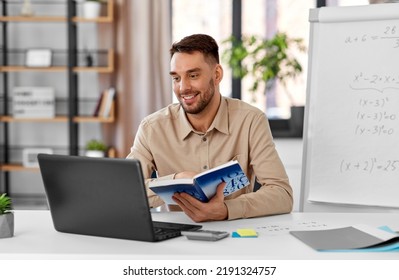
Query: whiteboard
x=351, y=139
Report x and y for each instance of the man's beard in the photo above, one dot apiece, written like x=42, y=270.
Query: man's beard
x=205, y=99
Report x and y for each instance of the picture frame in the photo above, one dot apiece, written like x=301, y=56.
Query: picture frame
x=38, y=58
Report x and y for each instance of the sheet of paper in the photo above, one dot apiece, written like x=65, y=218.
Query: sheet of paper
x=286, y=227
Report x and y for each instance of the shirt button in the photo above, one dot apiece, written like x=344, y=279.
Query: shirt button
x=205, y=167
x=204, y=139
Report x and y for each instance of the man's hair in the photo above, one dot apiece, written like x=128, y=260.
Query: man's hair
x=202, y=43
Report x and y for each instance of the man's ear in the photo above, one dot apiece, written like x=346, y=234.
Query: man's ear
x=218, y=73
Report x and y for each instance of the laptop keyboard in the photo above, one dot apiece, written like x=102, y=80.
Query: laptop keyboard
x=174, y=226
x=166, y=230
x=158, y=231
x=165, y=233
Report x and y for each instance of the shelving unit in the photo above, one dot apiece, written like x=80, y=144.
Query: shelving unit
x=99, y=69
x=71, y=69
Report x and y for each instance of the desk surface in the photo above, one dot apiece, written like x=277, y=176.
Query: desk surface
x=35, y=238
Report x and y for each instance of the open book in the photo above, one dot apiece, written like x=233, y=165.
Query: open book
x=203, y=185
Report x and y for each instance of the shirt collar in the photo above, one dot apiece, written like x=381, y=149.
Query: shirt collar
x=184, y=127
x=221, y=121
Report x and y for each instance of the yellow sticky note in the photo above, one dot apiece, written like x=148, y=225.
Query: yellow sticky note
x=247, y=232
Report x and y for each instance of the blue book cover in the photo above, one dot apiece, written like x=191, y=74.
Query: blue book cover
x=203, y=186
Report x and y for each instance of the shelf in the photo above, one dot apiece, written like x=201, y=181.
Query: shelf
x=109, y=18
x=33, y=19
x=12, y=119
x=17, y=167
x=106, y=19
x=98, y=69
x=102, y=19
x=78, y=119
x=93, y=119
x=13, y=68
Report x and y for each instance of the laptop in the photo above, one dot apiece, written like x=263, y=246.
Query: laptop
x=102, y=197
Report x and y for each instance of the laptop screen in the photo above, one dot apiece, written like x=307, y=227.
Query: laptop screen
x=97, y=196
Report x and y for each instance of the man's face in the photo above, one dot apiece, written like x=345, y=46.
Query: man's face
x=193, y=81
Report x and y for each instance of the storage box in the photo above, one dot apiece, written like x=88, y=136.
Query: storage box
x=29, y=156
x=33, y=102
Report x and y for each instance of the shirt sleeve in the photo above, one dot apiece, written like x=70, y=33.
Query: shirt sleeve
x=141, y=151
x=275, y=194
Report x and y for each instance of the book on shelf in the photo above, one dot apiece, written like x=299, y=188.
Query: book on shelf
x=104, y=103
x=203, y=186
x=362, y=238
x=98, y=105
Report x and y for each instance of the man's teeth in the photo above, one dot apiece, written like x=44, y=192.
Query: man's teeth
x=188, y=97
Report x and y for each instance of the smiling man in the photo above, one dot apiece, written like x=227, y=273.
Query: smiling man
x=205, y=130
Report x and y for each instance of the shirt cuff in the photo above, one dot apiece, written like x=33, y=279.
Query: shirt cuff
x=233, y=210
x=153, y=199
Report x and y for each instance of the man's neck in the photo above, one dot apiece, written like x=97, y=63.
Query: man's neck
x=202, y=121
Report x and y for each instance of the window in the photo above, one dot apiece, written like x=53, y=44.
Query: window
x=264, y=18
x=190, y=17
x=258, y=17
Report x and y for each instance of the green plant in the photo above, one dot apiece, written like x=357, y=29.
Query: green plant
x=265, y=60
x=5, y=204
x=96, y=145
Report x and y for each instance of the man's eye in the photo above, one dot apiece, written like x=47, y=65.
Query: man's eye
x=175, y=79
x=193, y=76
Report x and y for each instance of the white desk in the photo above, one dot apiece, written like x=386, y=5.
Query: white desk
x=35, y=238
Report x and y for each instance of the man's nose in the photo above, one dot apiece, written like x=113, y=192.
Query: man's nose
x=184, y=85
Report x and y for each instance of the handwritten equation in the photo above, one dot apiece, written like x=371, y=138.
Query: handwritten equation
x=372, y=119
x=388, y=33
x=369, y=165
x=376, y=130
x=282, y=228
x=376, y=116
x=373, y=102
x=375, y=82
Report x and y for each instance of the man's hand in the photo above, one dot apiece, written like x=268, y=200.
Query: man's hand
x=214, y=210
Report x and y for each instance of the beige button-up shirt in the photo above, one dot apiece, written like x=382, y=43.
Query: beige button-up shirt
x=167, y=143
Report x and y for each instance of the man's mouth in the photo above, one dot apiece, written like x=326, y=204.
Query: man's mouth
x=188, y=97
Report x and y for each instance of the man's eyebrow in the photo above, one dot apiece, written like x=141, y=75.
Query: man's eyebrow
x=194, y=70
x=188, y=71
